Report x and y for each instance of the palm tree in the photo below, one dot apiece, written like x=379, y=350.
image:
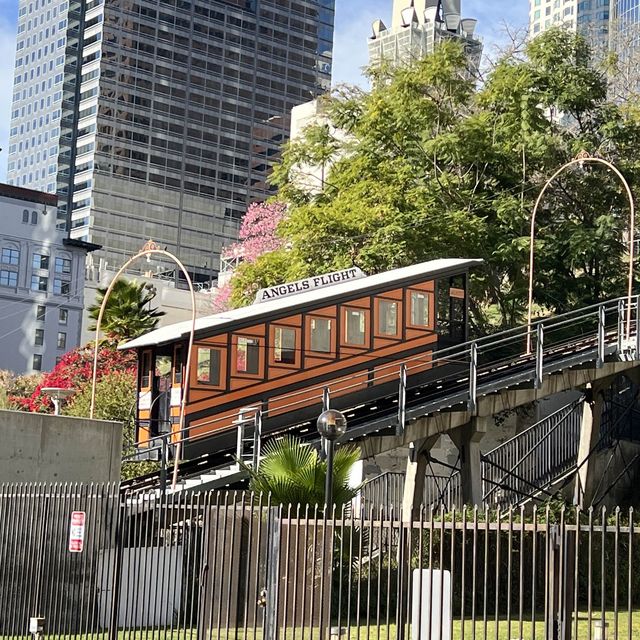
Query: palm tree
x=128, y=313
x=293, y=473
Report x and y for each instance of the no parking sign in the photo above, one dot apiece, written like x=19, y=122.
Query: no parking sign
x=76, y=531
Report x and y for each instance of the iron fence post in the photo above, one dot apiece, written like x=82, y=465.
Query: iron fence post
x=402, y=400
x=114, y=612
x=473, y=378
x=601, y=325
x=539, y=355
x=274, y=532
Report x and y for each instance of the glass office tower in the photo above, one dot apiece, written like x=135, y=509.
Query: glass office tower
x=590, y=17
x=627, y=12
x=171, y=115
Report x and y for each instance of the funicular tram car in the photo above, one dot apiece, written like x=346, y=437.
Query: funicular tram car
x=335, y=331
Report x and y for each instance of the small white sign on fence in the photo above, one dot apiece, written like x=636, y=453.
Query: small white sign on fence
x=76, y=532
x=431, y=605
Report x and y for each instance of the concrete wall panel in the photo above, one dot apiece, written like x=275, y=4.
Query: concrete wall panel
x=38, y=447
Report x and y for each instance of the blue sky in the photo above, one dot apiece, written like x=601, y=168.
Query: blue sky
x=353, y=27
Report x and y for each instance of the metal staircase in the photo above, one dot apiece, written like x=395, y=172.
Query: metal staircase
x=530, y=464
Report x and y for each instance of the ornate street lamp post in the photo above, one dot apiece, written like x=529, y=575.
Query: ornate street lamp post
x=331, y=425
x=582, y=158
x=151, y=248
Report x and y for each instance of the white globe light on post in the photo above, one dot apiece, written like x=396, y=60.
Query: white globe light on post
x=331, y=425
x=57, y=395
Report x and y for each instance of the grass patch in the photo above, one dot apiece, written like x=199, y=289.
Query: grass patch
x=478, y=630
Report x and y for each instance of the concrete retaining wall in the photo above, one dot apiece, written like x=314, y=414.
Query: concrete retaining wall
x=36, y=447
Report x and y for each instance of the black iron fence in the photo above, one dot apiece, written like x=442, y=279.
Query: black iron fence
x=92, y=562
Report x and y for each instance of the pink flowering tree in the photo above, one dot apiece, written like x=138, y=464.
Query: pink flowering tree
x=257, y=236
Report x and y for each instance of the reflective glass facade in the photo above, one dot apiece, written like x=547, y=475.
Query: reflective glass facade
x=174, y=112
x=37, y=94
x=588, y=16
x=628, y=12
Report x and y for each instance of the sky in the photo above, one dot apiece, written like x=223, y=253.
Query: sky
x=352, y=29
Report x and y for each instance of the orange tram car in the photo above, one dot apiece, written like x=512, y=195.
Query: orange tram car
x=342, y=331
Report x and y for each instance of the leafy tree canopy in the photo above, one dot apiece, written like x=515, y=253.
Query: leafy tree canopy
x=428, y=165
x=115, y=400
x=128, y=313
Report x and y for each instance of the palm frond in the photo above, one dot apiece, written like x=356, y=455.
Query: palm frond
x=292, y=473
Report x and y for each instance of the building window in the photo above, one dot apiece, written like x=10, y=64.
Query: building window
x=25, y=217
x=41, y=312
x=388, y=317
x=208, y=366
x=145, y=370
x=284, y=345
x=62, y=340
x=178, y=364
x=8, y=278
x=37, y=362
x=40, y=261
x=10, y=256
x=320, y=335
x=63, y=316
x=34, y=217
x=355, y=326
x=39, y=339
x=61, y=287
x=39, y=283
x=419, y=309
x=62, y=265
x=248, y=355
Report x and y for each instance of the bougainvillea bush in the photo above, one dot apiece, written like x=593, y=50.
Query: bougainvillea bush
x=257, y=236
x=74, y=371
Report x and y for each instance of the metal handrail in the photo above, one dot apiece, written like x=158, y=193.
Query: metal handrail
x=462, y=354
x=509, y=456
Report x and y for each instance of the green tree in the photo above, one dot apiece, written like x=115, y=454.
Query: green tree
x=128, y=313
x=430, y=166
x=293, y=473
x=115, y=400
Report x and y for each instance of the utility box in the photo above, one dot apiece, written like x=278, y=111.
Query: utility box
x=431, y=604
x=36, y=627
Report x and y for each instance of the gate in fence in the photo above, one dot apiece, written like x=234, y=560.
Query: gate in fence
x=228, y=565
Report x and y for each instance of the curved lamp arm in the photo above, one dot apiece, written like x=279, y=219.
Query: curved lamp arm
x=151, y=248
x=581, y=158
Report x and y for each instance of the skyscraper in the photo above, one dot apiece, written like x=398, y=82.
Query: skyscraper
x=588, y=16
x=161, y=118
x=416, y=26
x=627, y=11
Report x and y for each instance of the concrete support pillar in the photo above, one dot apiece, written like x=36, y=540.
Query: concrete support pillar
x=467, y=439
x=415, y=475
x=589, y=434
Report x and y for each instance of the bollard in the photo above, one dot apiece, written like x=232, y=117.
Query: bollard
x=336, y=633
x=36, y=627
x=600, y=630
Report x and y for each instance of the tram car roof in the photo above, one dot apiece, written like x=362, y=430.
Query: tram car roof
x=297, y=302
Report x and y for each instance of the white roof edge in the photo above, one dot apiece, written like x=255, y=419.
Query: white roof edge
x=175, y=331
